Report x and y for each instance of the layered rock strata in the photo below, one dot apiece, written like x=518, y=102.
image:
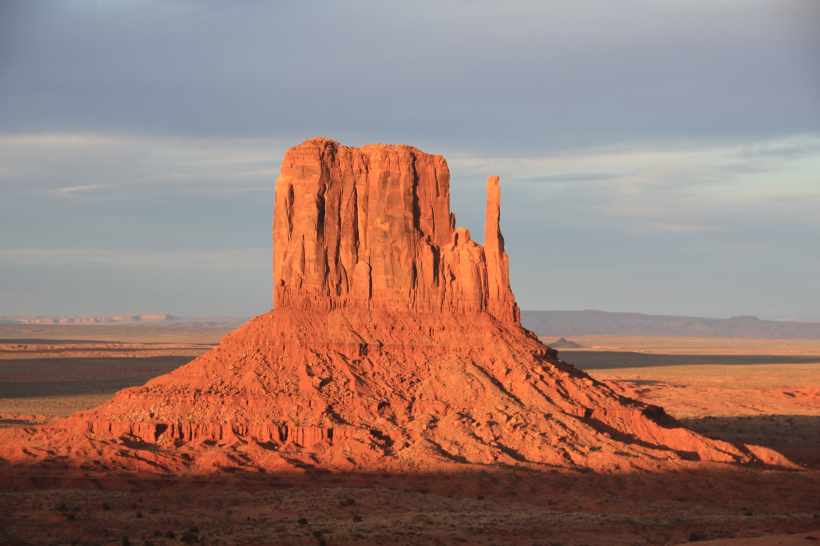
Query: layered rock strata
x=395, y=344
x=371, y=228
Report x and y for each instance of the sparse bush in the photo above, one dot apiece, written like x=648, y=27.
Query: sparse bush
x=106, y=506
x=193, y=530
x=357, y=518
x=125, y=541
x=139, y=514
x=74, y=542
x=189, y=538
x=154, y=510
x=70, y=517
x=147, y=543
x=133, y=505
x=61, y=507
x=695, y=537
x=302, y=521
x=157, y=534
x=170, y=534
x=317, y=534
x=350, y=502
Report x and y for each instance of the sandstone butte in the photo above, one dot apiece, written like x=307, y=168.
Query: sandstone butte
x=394, y=344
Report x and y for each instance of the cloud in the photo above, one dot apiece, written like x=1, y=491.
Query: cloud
x=471, y=75
x=127, y=167
x=137, y=258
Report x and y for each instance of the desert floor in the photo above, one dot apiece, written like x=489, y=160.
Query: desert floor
x=765, y=392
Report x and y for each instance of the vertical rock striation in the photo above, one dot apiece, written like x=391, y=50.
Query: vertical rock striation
x=371, y=228
x=395, y=344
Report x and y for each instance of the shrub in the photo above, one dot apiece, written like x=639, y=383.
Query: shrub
x=157, y=534
x=193, y=530
x=189, y=538
x=139, y=514
x=125, y=541
x=70, y=517
x=350, y=502
x=357, y=518
x=302, y=521
x=170, y=534
x=317, y=534
x=480, y=497
x=106, y=506
x=61, y=507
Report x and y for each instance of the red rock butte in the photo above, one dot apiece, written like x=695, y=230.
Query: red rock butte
x=371, y=228
x=394, y=344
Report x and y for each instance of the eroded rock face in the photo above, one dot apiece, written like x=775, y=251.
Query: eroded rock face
x=371, y=228
x=395, y=344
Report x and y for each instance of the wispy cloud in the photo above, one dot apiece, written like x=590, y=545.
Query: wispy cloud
x=216, y=259
x=680, y=187
x=116, y=167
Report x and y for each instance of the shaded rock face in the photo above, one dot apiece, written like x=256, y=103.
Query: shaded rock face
x=371, y=228
x=394, y=345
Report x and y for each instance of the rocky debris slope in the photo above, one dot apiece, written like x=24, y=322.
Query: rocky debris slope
x=395, y=344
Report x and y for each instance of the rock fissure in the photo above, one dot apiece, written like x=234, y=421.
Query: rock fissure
x=395, y=343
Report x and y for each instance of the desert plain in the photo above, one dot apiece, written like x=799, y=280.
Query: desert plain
x=764, y=392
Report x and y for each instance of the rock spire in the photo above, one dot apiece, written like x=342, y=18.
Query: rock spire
x=394, y=346
x=371, y=228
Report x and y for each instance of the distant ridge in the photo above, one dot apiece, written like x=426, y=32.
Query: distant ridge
x=578, y=323
x=129, y=320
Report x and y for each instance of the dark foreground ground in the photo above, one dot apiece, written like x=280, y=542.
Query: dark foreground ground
x=479, y=507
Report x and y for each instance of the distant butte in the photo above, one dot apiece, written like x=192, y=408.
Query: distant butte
x=395, y=343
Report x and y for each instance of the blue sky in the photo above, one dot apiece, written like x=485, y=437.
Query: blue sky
x=655, y=157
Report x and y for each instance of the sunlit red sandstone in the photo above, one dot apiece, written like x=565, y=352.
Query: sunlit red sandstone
x=395, y=344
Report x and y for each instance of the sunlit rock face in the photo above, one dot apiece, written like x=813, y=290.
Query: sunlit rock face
x=371, y=228
x=394, y=344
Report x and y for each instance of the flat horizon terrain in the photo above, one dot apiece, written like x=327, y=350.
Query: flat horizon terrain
x=764, y=392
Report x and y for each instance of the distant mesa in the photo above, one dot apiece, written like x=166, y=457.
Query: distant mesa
x=564, y=343
x=86, y=319
x=164, y=321
x=394, y=344
x=552, y=324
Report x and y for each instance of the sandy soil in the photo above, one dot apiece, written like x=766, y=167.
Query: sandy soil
x=485, y=507
x=773, y=404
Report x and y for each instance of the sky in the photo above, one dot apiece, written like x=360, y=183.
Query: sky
x=655, y=157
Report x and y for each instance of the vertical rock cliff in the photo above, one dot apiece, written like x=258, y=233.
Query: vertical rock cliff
x=371, y=228
x=395, y=344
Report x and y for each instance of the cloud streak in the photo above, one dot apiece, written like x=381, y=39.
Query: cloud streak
x=655, y=156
